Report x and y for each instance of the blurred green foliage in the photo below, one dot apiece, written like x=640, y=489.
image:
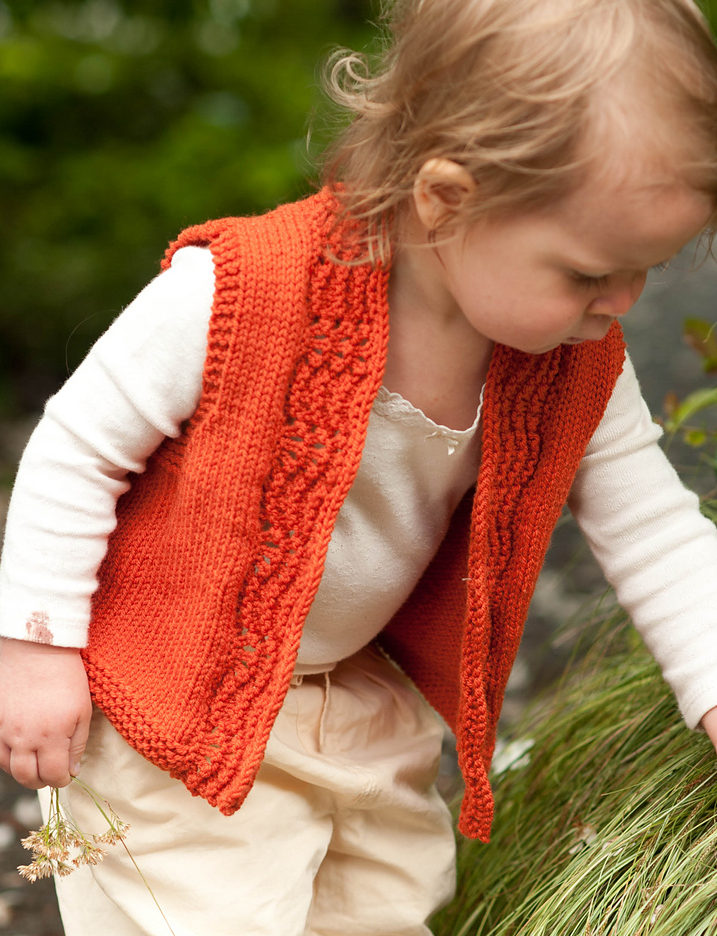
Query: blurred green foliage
x=709, y=8
x=124, y=121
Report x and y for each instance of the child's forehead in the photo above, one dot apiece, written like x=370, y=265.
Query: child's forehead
x=638, y=136
x=631, y=222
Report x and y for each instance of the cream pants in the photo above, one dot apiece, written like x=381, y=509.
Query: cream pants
x=343, y=832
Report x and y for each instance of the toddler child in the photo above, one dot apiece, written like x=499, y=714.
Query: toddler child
x=314, y=467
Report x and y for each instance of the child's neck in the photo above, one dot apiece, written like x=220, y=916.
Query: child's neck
x=435, y=359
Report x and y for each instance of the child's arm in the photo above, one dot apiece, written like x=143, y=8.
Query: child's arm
x=45, y=711
x=654, y=546
x=138, y=384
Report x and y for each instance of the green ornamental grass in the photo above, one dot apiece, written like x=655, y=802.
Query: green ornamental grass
x=609, y=828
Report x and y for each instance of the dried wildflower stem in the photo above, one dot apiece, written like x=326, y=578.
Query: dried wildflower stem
x=59, y=846
x=111, y=821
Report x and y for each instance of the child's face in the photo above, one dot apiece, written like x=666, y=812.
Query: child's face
x=563, y=275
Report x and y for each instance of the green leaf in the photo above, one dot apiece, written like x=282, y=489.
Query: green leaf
x=701, y=336
x=695, y=437
x=692, y=404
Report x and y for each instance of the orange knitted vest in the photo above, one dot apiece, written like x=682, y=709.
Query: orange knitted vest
x=220, y=543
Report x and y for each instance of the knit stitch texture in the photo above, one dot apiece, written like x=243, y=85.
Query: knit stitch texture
x=220, y=543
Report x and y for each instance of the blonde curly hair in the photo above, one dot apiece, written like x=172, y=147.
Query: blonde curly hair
x=508, y=89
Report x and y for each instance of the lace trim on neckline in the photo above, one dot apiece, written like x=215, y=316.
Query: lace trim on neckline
x=394, y=406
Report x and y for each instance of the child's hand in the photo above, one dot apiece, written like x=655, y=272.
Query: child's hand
x=45, y=712
x=709, y=723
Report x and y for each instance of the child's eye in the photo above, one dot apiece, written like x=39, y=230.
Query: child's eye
x=661, y=267
x=590, y=282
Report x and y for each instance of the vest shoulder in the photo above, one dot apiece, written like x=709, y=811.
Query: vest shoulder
x=298, y=224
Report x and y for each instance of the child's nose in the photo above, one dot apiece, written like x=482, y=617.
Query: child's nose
x=619, y=299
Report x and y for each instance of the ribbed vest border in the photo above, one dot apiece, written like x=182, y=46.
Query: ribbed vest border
x=539, y=413
x=220, y=544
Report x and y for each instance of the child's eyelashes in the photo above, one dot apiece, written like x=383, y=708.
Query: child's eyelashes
x=590, y=282
x=587, y=281
x=661, y=267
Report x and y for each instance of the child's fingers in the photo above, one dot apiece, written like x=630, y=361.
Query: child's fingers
x=4, y=757
x=78, y=742
x=47, y=766
x=709, y=723
x=24, y=769
x=53, y=766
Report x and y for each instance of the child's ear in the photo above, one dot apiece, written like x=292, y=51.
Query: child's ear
x=440, y=190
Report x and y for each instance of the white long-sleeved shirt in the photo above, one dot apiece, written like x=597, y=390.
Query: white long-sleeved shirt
x=142, y=380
